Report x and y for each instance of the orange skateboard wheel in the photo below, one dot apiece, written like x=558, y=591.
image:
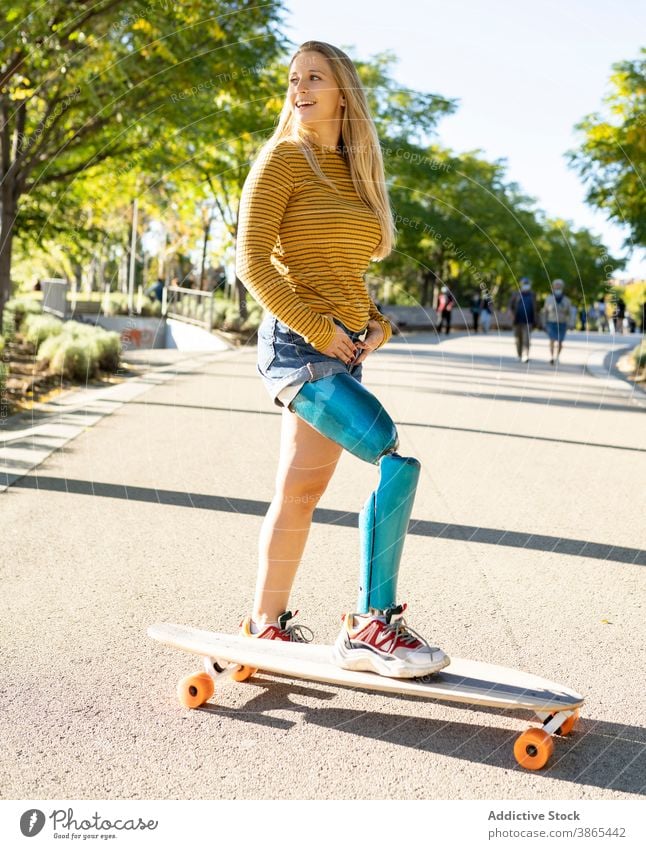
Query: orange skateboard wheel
x=195, y=689
x=244, y=673
x=569, y=725
x=533, y=748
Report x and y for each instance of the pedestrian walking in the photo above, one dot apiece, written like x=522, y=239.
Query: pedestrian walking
x=475, y=308
x=486, y=312
x=445, y=305
x=602, y=314
x=593, y=317
x=524, y=315
x=617, y=314
x=556, y=315
x=156, y=291
x=314, y=212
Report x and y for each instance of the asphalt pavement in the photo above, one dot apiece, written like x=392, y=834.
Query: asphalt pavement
x=525, y=549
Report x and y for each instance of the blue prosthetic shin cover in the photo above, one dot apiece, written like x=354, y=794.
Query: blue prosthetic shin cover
x=383, y=523
x=339, y=407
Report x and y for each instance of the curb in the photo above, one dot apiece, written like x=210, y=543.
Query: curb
x=28, y=438
x=601, y=364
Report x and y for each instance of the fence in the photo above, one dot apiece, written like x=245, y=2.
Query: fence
x=54, y=296
x=191, y=305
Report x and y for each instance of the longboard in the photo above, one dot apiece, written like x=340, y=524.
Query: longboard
x=463, y=681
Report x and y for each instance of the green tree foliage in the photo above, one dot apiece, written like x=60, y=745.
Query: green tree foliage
x=612, y=158
x=113, y=81
x=169, y=103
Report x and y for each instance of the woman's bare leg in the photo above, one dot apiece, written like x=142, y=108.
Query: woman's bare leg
x=305, y=467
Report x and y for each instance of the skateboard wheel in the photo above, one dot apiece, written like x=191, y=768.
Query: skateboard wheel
x=244, y=673
x=569, y=725
x=533, y=748
x=195, y=689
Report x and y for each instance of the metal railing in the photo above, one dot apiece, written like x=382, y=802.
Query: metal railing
x=55, y=296
x=191, y=305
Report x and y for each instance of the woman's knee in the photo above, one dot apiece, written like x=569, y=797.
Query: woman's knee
x=300, y=495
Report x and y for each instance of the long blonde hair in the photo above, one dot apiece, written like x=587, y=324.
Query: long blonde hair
x=360, y=143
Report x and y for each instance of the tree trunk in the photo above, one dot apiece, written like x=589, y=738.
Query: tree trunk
x=6, y=244
x=242, y=299
x=207, y=229
x=427, y=289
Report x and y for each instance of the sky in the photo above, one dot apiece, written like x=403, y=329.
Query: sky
x=524, y=73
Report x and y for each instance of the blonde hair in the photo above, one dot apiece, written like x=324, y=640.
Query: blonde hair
x=359, y=140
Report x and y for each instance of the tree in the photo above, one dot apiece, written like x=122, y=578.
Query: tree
x=612, y=158
x=83, y=84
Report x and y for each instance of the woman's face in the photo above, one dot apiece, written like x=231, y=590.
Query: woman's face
x=311, y=81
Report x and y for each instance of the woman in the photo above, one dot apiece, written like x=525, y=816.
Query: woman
x=314, y=211
x=556, y=315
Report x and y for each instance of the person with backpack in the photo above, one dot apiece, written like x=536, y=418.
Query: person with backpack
x=524, y=315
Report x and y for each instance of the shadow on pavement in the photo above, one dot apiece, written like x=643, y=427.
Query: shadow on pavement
x=600, y=754
x=440, y=530
x=477, y=430
x=525, y=399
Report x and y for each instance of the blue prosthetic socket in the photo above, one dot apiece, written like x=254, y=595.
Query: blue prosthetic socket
x=339, y=407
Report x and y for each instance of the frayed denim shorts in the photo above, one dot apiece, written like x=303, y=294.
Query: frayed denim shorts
x=286, y=361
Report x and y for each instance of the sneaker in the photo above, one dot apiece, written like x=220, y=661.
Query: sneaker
x=385, y=644
x=281, y=631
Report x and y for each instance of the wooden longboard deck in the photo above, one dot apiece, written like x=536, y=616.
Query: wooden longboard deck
x=466, y=681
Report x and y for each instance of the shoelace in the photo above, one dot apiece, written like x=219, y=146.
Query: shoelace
x=401, y=630
x=296, y=633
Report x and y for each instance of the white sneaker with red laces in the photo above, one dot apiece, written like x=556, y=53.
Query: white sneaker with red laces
x=279, y=631
x=385, y=644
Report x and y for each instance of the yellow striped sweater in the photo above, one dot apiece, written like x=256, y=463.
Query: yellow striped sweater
x=302, y=250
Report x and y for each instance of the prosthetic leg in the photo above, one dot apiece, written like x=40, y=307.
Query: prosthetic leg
x=339, y=407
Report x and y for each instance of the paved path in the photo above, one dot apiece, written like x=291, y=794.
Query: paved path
x=525, y=549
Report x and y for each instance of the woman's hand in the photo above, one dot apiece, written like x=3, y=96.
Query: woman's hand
x=341, y=346
x=373, y=339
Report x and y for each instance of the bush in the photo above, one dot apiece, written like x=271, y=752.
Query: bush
x=232, y=320
x=14, y=313
x=36, y=328
x=107, y=348
x=639, y=356
x=101, y=350
x=151, y=308
x=49, y=347
x=219, y=312
x=3, y=380
x=252, y=321
x=72, y=359
x=634, y=295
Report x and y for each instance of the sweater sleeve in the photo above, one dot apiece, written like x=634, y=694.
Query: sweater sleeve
x=386, y=326
x=265, y=195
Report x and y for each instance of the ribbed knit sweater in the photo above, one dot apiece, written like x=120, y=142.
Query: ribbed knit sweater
x=302, y=250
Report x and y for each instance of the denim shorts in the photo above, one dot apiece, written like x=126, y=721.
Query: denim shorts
x=286, y=359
